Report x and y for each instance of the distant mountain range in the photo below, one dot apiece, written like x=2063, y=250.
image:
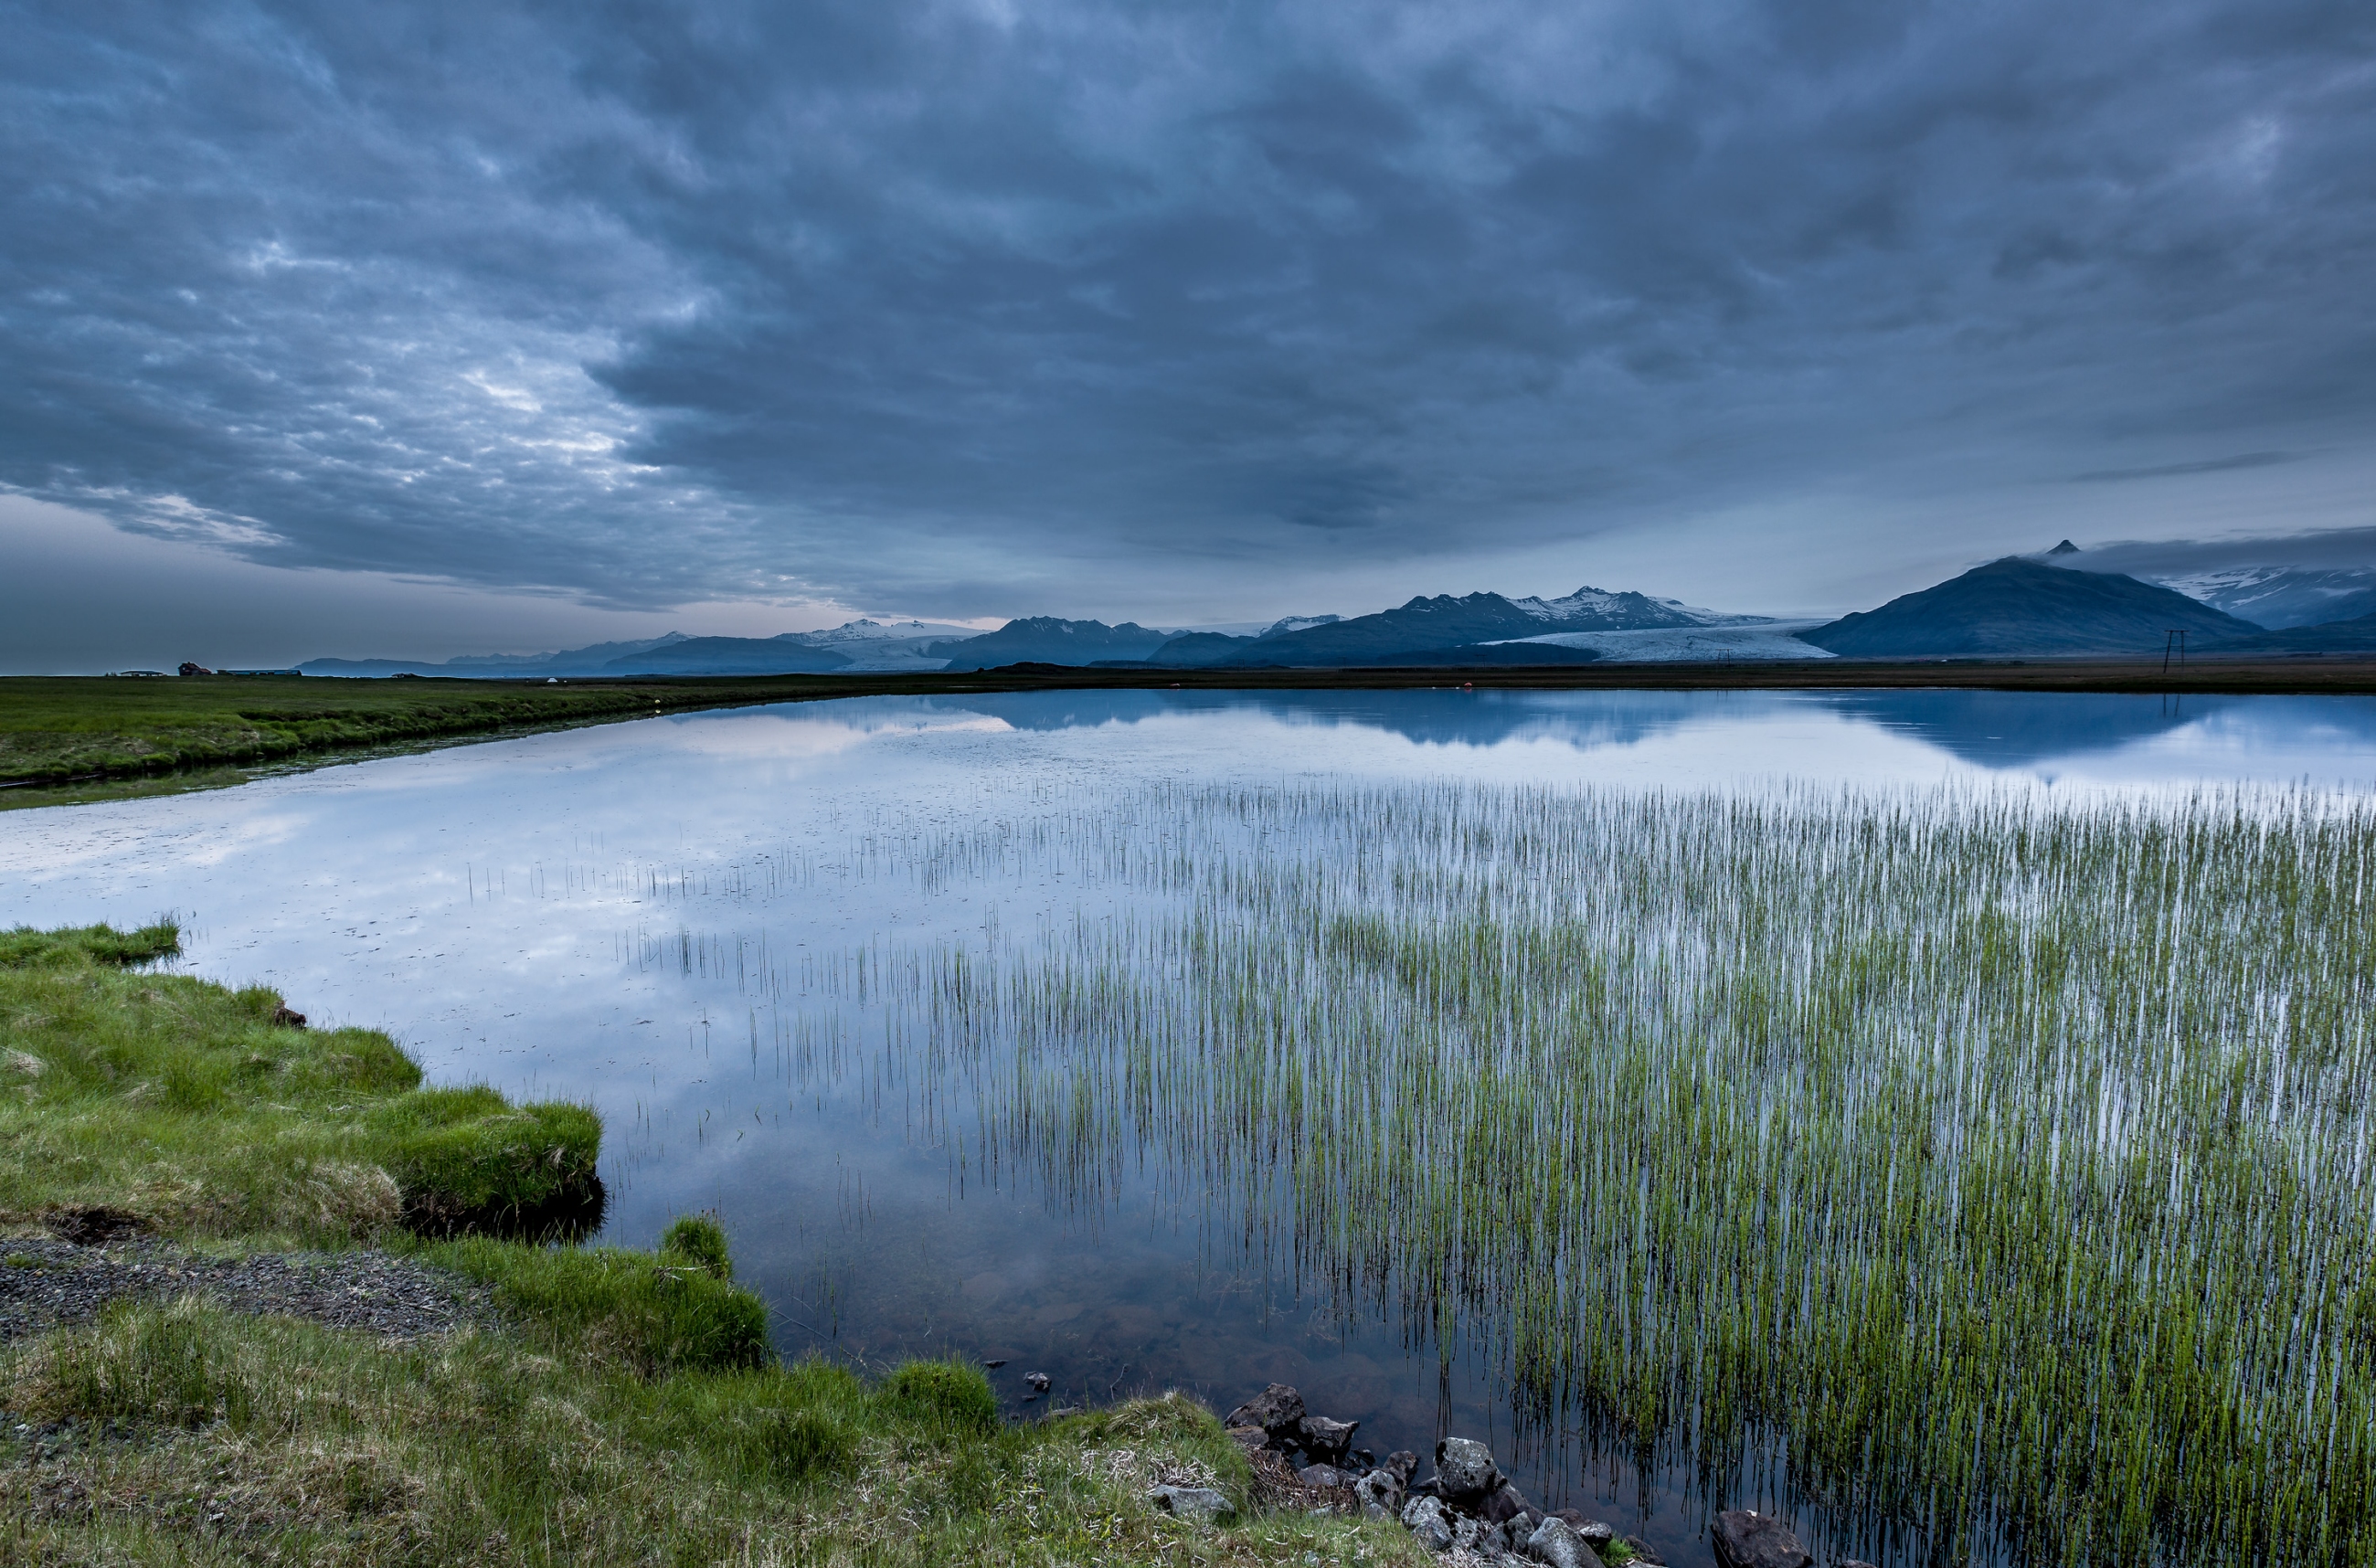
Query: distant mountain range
x=2355, y=636
x=2281, y=598
x=856, y=648
x=1479, y=629
x=2041, y=605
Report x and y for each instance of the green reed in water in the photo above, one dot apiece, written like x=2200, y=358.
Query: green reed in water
x=2012, y=1159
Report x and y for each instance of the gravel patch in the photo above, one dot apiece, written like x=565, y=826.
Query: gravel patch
x=47, y=1281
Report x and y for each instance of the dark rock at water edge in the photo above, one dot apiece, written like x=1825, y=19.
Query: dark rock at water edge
x=1324, y=1439
x=1465, y=1470
x=1380, y=1495
x=1505, y=1503
x=1743, y=1538
x=1555, y=1541
x=1427, y=1518
x=1277, y=1409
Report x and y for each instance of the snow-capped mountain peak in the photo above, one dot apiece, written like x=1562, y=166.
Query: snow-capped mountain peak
x=867, y=631
x=1287, y=623
x=1592, y=609
x=2280, y=596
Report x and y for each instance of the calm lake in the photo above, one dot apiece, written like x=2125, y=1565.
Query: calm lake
x=731, y=933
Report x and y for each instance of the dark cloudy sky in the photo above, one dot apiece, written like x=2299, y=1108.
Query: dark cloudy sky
x=428, y=327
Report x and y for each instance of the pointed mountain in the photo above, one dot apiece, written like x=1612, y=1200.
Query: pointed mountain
x=2022, y=606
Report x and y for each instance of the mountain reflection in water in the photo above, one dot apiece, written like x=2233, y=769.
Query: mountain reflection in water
x=2035, y=731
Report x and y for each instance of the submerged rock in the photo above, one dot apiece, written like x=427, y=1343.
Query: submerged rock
x=1201, y=1504
x=1747, y=1539
x=1427, y=1519
x=1465, y=1470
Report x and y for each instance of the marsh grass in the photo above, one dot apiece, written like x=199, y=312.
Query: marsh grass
x=2009, y=1158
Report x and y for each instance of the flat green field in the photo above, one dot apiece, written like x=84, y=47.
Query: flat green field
x=83, y=731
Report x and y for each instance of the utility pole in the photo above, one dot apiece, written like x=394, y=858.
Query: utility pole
x=2173, y=638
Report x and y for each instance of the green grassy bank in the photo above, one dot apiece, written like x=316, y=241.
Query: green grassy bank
x=71, y=738
x=620, y=1407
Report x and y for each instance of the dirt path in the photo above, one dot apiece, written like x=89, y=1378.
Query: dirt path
x=46, y=1281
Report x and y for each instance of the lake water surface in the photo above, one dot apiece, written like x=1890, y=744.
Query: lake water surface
x=695, y=924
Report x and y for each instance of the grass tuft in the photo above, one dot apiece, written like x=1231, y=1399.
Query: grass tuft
x=940, y=1395
x=699, y=1241
x=646, y=1312
x=24, y=947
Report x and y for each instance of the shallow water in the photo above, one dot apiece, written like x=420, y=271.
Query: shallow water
x=674, y=919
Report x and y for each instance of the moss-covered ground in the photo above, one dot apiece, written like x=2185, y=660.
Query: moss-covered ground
x=623, y=1408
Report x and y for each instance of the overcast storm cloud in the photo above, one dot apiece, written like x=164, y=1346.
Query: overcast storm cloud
x=990, y=308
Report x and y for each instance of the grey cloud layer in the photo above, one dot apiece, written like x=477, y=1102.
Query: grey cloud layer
x=939, y=305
